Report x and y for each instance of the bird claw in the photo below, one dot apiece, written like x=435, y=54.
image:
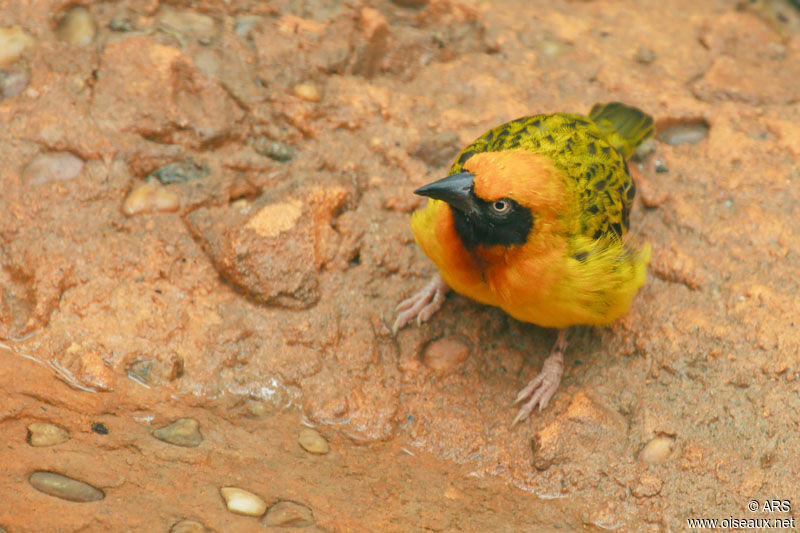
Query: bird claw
x=422, y=305
x=540, y=390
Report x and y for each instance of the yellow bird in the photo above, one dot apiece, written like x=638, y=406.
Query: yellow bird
x=531, y=219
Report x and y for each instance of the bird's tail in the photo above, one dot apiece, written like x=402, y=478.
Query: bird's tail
x=625, y=126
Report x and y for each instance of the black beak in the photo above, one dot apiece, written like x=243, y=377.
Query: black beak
x=455, y=189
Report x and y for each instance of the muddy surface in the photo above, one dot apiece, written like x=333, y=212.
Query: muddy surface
x=204, y=214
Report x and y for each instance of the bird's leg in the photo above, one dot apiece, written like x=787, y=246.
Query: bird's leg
x=541, y=388
x=423, y=304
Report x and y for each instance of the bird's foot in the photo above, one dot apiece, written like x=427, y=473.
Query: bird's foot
x=541, y=389
x=421, y=305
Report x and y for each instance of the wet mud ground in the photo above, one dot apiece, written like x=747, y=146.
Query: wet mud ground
x=204, y=213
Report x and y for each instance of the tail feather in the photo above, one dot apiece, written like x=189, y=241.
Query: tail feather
x=626, y=126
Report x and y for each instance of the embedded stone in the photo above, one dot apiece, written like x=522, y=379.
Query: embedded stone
x=183, y=432
x=445, y=353
x=189, y=526
x=685, y=133
x=312, y=442
x=77, y=28
x=13, y=43
x=240, y=501
x=657, y=450
x=289, y=514
x=307, y=92
x=44, y=434
x=52, y=166
x=65, y=487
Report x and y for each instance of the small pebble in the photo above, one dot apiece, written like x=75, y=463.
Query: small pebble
x=165, y=200
x=13, y=43
x=188, y=526
x=308, y=92
x=139, y=200
x=142, y=372
x=52, y=166
x=289, y=514
x=552, y=49
x=153, y=373
x=256, y=408
x=410, y=3
x=657, y=450
x=644, y=151
x=183, y=432
x=77, y=28
x=65, y=487
x=100, y=428
x=688, y=133
x=645, y=56
x=445, y=353
x=240, y=501
x=244, y=25
x=120, y=24
x=44, y=434
x=273, y=149
x=187, y=21
x=149, y=197
x=13, y=82
x=179, y=172
x=313, y=442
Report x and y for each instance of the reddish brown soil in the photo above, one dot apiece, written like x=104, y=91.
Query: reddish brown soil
x=259, y=297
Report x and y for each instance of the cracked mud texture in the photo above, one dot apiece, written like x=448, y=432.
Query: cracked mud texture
x=262, y=302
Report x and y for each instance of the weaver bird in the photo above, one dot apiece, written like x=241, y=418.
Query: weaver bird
x=531, y=219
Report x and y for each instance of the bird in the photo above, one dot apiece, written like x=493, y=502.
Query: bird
x=533, y=218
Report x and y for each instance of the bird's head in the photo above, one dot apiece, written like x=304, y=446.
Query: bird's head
x=502, y=199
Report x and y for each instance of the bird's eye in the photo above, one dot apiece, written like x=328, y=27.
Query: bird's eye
x=501, y=206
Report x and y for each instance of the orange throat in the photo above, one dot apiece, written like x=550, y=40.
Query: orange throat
x=498, y=275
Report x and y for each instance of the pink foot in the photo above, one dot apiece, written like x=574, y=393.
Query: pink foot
x=542, y=388
x=422, y=305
